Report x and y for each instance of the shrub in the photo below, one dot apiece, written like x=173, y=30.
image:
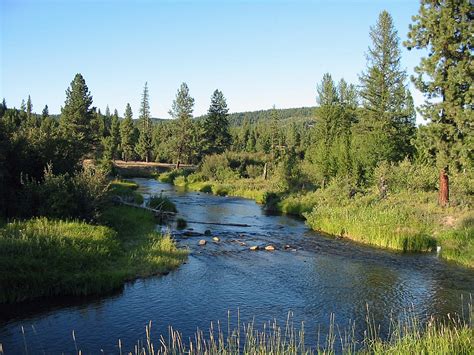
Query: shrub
x=216, y=167
x=63, y=196
x=162, y=203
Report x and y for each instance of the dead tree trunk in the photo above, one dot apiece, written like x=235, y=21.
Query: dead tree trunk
x=265, y=173
x=443, y=197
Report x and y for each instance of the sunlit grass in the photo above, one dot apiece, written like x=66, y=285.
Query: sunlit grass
x=42, y=257
x=125, y=189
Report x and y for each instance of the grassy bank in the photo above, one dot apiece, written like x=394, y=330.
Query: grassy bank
x=453, y=335
x=44, y=257
x=404, y=221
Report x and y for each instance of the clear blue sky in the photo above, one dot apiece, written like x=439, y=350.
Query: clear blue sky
x=259, y=53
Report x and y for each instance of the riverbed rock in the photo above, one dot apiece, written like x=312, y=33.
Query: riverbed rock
x=287, y=246
x=254, y=247
x=202, y=242
x=269, y=248
x=216, y=239
x=207, y=232
x=242, y=244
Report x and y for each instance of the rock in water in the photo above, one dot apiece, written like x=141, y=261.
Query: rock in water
x=207, y=232
x=270, y=248
x=287, y=246
x=254, y=247
x=216, y=239
x=202, y=242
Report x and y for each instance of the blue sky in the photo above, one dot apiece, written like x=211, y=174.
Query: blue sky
x=259, y=53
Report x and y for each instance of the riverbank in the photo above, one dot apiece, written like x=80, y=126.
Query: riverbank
x=46, y=257
x=403, y=221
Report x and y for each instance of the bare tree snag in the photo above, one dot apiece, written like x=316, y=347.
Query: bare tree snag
x=443, y=197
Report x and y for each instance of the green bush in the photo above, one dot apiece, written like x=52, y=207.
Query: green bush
x=64, y=196
x=216, y=167
x=162, y=203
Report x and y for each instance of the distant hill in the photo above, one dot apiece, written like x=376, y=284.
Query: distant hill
x=303, y=113
x=237, y=118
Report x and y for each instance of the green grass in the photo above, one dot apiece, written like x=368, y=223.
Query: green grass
x=42, y=257
x=385, y=224
x=162, y=203
x=458, y=244
x=125, y=189
x=437, y=337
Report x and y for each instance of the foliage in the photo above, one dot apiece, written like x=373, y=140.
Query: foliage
x=144, y=144
x=216, y=126
x=444, y=29
x=64, y=196
x=161, y=203
x=387, y=125
x=75, y=118
x=126, y=135
x=125, y=189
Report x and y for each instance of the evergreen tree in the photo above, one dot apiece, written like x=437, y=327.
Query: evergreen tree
x=181, y=111
x=444, y=28
x=326, y=129
x=144, y=146
x=126, y=134
x=3, y=108
x=115, y=134
x=45, y=112
x=29, y=108
x=385, y=99
x=76, y=116
x=216, y=126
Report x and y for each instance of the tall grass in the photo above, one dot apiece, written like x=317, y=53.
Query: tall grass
x=125, y=189
x=384, y=225
x=42, y=257
x=406, y=335
x=162, y=203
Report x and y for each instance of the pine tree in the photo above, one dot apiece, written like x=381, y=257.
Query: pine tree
x=126, y=134
x=3, y=107
x=76, y=116
x=444, y=28
x=29, y=108
x=45, y=112
x=216, y=126
x=326, y=129
x=144, y=146
x=181, y=111
x=115, y=134
x=385, y=98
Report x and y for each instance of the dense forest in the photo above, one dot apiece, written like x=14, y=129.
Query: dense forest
x=359, y=142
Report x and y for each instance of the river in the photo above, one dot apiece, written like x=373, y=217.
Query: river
x=316, y=276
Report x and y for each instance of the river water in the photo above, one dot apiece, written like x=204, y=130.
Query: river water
x=315, y=277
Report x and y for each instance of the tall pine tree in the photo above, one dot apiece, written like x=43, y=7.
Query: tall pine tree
x=388, y=122
x=76, y=117
x=216, y=126
x=182, y=112
x=144, y=146
x=126, y=134
x=444, y=28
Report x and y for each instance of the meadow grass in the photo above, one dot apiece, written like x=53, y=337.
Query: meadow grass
x=43, y=257
x=162, y=203
x=125, y=189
